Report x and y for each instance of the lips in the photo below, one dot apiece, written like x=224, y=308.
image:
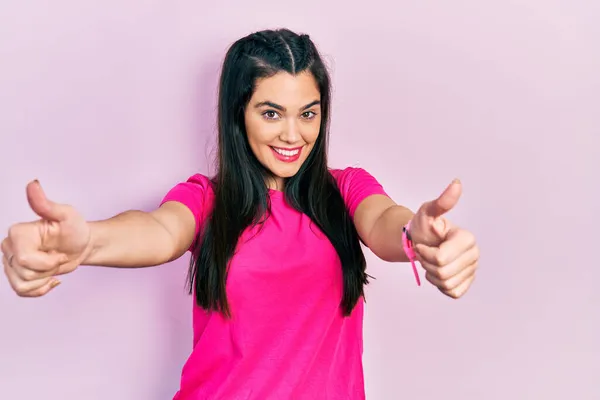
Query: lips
x=287, y=154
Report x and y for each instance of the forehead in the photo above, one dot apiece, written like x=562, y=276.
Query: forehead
x=287, y=89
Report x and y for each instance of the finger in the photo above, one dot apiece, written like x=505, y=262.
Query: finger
x=458, y=241
x=6, y=246
x=43, y=290
x=450, y=284
x=455, y=267
x=461, y=289
x=445, y=202
x=33, y=288
x=27, y=274
x=39, y=261
x=441, y=227
x=40, y=204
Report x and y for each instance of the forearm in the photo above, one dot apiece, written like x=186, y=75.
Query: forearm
x=385, y=238
x=128, y=240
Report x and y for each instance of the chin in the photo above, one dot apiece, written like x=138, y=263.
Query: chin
x=285, y=173
x=282, y=167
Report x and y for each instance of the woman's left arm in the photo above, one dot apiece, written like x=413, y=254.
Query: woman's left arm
x=379, y=222
x=448, y=254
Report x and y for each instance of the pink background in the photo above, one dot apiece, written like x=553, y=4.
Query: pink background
x=110, y=103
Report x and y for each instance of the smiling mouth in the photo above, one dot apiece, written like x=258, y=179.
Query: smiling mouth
x=286, y=155
x=287, y=152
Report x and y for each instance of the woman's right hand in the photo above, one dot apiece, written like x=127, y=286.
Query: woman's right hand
x=35, y=252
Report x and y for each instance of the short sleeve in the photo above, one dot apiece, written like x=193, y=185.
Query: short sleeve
x=355, y=185
x=196, y=194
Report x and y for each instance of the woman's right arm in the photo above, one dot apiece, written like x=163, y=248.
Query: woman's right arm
x=35, y=253
x=142, y=239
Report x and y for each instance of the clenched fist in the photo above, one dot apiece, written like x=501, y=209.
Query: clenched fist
x=34, y=253
x=448, y=253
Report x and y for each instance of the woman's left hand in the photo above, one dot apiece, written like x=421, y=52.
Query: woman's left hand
x=448, y=253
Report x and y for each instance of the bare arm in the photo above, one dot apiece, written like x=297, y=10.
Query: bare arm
x=379, y=222
x=140, y=239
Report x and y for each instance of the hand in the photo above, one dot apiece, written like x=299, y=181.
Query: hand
x=448, y=253
x=35, y=252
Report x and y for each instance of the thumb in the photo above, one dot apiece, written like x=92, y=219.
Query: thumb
x=445, y=202
x=40, y=204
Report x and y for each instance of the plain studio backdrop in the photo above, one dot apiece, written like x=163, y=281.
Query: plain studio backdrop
x=111, y=103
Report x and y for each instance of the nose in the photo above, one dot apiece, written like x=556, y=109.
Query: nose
x=291, y=132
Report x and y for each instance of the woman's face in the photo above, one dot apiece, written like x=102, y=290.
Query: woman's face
x=283, y=119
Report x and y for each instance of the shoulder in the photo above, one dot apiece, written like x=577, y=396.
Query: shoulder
x=196, y=184
x=349, y=177
x=200, y=180
x=348, y=173
x=356, y=184
x=196, y=193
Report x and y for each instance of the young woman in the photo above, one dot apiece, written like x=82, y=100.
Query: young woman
x=277, y=269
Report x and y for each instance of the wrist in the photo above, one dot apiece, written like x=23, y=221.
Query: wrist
x=407, y=245
x=94, y=244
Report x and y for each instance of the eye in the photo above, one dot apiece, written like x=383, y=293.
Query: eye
x=308, y=114
x=271, y=114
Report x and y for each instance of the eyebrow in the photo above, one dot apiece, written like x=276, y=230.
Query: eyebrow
x=282, y=108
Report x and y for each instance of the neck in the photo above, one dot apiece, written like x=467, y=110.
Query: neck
x=275, y=183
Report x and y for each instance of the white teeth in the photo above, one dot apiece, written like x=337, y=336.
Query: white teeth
x=287, y=153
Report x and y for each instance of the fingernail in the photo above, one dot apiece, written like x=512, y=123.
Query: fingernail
x=456, y=180
x=54, y=283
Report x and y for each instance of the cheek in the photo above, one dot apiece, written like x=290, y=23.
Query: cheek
x=260, y=132
x=311, y=133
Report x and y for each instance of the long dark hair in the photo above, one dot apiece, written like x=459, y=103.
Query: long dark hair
x=241, y=193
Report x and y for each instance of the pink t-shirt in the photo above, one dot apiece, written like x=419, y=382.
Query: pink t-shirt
x=287, y=338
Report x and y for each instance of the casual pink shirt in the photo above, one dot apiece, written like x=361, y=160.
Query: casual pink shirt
x=287, y=338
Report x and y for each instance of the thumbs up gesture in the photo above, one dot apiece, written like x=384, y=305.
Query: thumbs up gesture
x=34, y=253
x=448, y=253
